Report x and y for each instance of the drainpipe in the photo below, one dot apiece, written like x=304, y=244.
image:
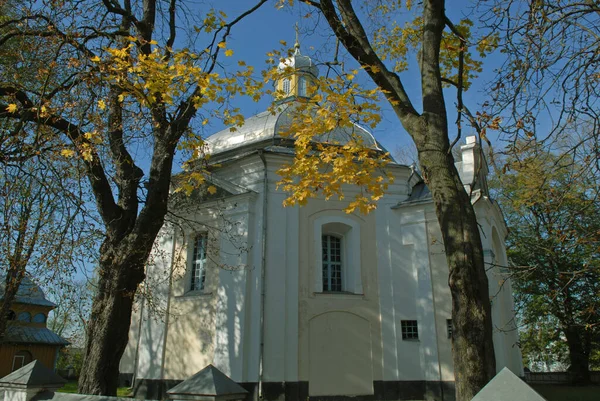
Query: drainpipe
x=262, y=273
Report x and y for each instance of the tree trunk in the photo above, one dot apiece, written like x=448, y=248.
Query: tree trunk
x=120, y=271
x=474, y=359
x=579, y=356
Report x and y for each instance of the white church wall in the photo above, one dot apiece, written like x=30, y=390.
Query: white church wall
x=493, y=232
x=441, y=294
x=413, y=300
x=281, y=298
x=150, y=353
x=365, y=306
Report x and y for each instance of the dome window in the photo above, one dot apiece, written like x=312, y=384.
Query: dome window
x=302, y=87
x=286, y=86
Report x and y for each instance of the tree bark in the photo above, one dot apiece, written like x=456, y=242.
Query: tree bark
x=121, y=269
x=579, y=354
x=472, y=341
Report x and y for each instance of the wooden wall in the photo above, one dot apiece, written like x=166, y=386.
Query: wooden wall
x=43, y=353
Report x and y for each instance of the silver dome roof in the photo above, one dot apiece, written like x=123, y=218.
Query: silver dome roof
x=267, y=127
x=299, y=62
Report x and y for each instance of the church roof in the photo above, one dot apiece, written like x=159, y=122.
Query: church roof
x=17, y=334
x=210, y=381
x=28, y=293
x=299, y=62
x=267, y=128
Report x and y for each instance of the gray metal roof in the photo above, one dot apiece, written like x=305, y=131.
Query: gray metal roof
x=420, y=193
x=210, y=381
x=18, y=334
x=34, y=374
x=506, y=386
x=28, y=293
x=268, y=127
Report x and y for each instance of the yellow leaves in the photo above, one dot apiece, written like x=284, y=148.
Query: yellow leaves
x=101, y=104
x=228, y=52
x=67, y=152
x=95, y=59
x=222, y=45
x=11, y=108
x=333, y=154
x=211, y=190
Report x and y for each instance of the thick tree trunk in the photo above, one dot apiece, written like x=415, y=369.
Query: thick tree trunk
x=579, y=355
x=120, y=271
x=474, y=359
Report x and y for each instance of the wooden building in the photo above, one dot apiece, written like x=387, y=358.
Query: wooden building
x=27, y=338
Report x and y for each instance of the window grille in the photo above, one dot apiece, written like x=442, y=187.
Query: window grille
x=332, y=263
x=302, y=87
x=198, y=265
x=286, y=86
x=410, y=330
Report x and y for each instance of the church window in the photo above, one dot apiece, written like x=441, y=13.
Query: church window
x=332, y=263
x=39, y=318
x=24, y=317
x=286, y=86
x=198, y=263
x=410, y=330
x=337, y=253
x=302, y=87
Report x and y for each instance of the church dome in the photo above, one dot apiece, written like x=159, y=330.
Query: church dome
x=266, y=129
x=299, y=62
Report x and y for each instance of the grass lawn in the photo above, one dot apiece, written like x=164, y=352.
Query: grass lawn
x=557, y=392
x=71, y=387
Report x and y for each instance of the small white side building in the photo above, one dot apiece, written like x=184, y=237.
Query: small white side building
x=309, y=301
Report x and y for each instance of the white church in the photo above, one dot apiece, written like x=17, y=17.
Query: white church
x=299, y=302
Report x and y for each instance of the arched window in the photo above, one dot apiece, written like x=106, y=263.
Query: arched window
x=24, y=317
x=286, y=86
x=332, y=263
x=337, y=254
x=11, y=315
x=39, y=318
x=302, y=87
x=198, y=262
x=21, y=359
